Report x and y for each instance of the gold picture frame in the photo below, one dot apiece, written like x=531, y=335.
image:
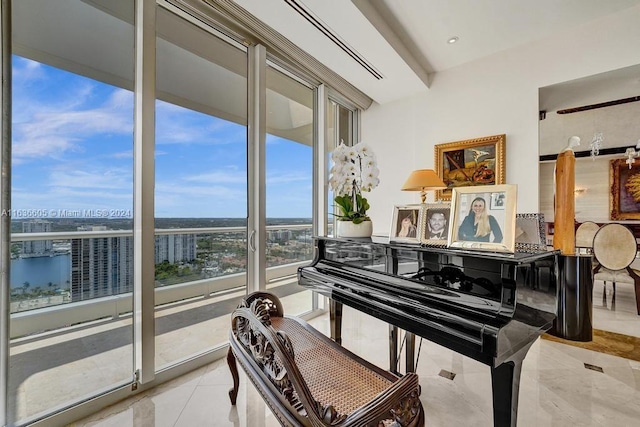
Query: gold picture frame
x=625, y=184
x=436, y=219
x=500, y=224
x=473, y=162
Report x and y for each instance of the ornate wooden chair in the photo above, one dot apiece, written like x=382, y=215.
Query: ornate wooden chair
x=615, y=247
x=309, y=380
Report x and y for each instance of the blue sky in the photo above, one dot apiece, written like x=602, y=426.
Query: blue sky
x=73, y=150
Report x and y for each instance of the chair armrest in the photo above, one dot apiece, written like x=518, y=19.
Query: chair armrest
x=405, y=411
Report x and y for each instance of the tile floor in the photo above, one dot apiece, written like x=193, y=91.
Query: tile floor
x=556, y=389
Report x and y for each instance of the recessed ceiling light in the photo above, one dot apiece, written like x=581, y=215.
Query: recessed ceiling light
x=452, y=40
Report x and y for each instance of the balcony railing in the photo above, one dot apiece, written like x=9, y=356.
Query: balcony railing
x=38, y=319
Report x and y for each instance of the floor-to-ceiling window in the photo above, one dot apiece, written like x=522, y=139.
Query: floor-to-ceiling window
x=289, y=177
x=340, y=129
x=72, y=180
x=201, y=186
x=73, y=265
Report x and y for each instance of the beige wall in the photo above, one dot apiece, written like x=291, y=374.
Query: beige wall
x=495, y=95
x=620, y=128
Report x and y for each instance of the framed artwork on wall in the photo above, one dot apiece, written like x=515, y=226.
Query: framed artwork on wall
x=625, y=190
x=473, y=162
x=475, y=225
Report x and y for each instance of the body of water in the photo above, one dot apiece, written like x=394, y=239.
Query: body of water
x=39, y=271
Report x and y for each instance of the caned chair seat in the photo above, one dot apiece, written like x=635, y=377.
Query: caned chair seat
x=307, y=379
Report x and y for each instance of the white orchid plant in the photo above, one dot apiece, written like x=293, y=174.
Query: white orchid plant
x=354, y=171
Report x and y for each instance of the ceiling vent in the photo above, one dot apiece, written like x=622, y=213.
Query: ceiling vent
x=311, y=18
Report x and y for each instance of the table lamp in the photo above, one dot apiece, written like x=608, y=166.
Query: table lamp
x=422, y=180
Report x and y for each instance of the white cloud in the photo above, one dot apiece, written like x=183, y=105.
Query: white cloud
x=178, y=125
x=25, y=70
x=123, y=155
x=55, y=127
x=285, y=177
x=183, y=200
x=219, y=177
x=117, y=178
x=69, y=198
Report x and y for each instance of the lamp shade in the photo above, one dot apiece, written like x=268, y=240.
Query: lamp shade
x=423, y=179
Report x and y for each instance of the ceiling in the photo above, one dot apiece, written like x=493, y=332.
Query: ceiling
x=404, y=42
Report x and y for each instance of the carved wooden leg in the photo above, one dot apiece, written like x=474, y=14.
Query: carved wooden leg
x=231, y=361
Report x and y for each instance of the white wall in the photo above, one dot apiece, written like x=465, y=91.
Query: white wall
x=495, y=95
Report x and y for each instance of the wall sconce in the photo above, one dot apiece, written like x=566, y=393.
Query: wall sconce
x=631, y=154
x=579, y=191
x=422, y=180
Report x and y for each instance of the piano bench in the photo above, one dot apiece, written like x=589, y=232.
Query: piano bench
x=309, y=380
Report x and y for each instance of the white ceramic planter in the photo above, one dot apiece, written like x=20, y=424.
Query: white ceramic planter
x=349, y=229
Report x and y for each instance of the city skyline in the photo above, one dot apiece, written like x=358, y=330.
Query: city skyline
x=73, y=150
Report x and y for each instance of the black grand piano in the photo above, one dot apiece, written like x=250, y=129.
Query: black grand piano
x=487, y=306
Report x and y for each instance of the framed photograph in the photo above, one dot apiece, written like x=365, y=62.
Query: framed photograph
x=497, y=201
x=406, y=223
x=474, y=225
x=531, y=233
x=625, y=190
x=436, y=221
x=474, y=162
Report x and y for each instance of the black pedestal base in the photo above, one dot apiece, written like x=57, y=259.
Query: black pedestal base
x=575, y=305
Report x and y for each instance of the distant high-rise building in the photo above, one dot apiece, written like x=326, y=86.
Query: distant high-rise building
x=101, y=266
x=37, y=247
x=279, y=235
x=175, y=248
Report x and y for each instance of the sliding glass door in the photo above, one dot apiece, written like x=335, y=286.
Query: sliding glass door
x=72, y=204
x=200, y=187
x=289, y=179
x=93, y=118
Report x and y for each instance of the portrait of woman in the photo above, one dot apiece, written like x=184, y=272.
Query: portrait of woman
x=407, y=221
x=478, y=225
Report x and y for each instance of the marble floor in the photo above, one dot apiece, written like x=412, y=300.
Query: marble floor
x=555, y=390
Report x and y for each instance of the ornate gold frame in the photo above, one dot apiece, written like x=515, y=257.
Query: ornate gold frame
x=619, y=173
x=429, y=208
x=489, y=169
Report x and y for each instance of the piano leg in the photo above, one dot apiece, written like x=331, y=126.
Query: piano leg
x=410, y=359
x=393, y=349
x=505, y=382
x=335, y=320
x=505, y=385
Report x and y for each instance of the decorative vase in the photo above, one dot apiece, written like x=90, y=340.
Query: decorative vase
x=351, y=229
